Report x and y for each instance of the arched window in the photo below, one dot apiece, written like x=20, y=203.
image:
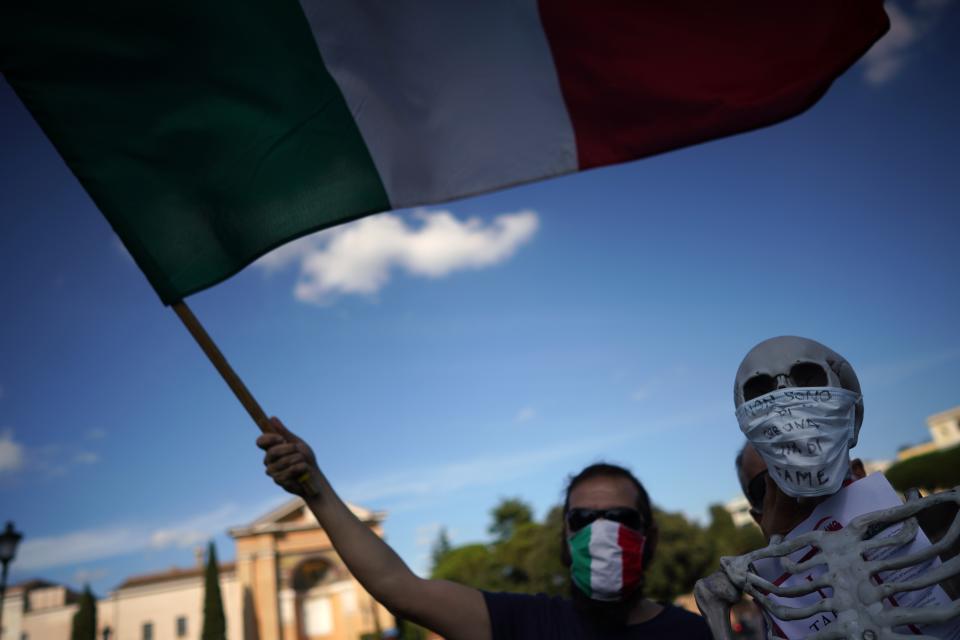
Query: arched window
x=310, y=573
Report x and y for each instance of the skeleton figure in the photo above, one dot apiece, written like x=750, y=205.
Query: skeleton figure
x=856, y=600
x=848, y=560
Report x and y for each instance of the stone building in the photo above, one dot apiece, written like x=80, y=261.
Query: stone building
x=944, y=430
x=38, y=609
x=287, y=583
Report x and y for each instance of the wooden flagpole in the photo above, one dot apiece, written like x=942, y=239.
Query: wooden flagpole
x=230, y=376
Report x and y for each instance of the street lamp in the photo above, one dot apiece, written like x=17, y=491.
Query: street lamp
x=9, y=540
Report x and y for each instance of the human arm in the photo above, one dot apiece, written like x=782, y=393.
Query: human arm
x=453, y=610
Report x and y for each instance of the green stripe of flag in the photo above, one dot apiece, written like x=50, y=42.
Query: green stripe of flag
x=206, y=132
x=580, y=547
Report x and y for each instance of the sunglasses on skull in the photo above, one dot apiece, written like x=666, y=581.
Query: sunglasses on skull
x=579, y=518
x=757, y=490
x=802, y=374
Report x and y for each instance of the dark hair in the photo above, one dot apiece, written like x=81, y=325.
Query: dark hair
x=607, y=470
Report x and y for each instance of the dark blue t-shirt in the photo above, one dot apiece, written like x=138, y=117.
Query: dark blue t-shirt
x=516, y=616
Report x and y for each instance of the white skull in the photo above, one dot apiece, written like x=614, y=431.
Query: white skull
x=791, y=361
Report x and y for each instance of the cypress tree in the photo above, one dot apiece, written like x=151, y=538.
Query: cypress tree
x=85, y=619
x=214, y=622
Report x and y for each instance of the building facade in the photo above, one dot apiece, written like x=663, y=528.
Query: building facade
x=287, y=583
x=38, y=609
x=739, y=510
x=293, y=584
x=944, y=430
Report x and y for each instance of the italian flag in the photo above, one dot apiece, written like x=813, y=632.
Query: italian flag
x=209, y=132
x=615, y=554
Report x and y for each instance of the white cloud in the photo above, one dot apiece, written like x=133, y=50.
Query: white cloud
x=84, y=576
x=419, y=487
x=483, y=470
x=526, y=414
x=194, y=530
x=659, y=382
x=11, y=452
x=360, y=257
x=77, y=546
x=88, y=545
x=291, y=252
x=426, y=534
x=886, y=374
x=889, y=55
x=425, y=537
x=53, y=459
x=96, y=433
x=86, y=457
x=886, y=57
x=177, y=538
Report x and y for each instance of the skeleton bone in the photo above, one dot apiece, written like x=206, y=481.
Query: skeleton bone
x=856, y=599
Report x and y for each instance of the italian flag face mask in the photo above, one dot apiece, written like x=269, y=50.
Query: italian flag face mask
x=607, y=559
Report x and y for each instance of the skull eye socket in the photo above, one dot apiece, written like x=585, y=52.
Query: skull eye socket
x=802, y=374
x=808, y=374
x=758, y=385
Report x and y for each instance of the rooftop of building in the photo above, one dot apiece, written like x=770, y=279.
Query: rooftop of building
x=173, y=573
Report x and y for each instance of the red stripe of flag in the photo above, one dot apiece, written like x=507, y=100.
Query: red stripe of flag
x=639, y=78
x=632, y=545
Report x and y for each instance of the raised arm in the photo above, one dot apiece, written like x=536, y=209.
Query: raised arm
x=454, y=611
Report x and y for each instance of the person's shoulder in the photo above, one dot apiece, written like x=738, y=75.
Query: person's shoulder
x=532, y=600
x=522, y=615
x=687, y=622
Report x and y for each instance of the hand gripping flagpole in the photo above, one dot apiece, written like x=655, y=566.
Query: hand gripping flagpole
x=232, y=379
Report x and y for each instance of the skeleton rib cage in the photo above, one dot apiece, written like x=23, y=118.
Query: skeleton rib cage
x=856, y=599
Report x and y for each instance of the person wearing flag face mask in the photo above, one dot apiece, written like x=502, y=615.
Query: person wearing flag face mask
x=610, y=537
x=609, y=541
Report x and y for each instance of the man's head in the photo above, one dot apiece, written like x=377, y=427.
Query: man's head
x=791, y=361
x=607, y=486
x=600, y=498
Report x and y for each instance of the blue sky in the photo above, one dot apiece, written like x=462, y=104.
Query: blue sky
x=597, y=316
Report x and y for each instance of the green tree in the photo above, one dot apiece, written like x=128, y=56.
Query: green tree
x=728, y=539
x=507, y=516
x=85, y=619
x=930, y=471
x=525, y=555
x=721, y=527
x=749, y=538
x=470, y=564
x=441, y=547
x=214, y=622
x=684, y=554
x=407, y=630
x=542, y=560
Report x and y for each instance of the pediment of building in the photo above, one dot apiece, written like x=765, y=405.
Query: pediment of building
x=294, y=515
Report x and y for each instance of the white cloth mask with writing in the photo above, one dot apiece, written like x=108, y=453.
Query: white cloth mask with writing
x=803, y=435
